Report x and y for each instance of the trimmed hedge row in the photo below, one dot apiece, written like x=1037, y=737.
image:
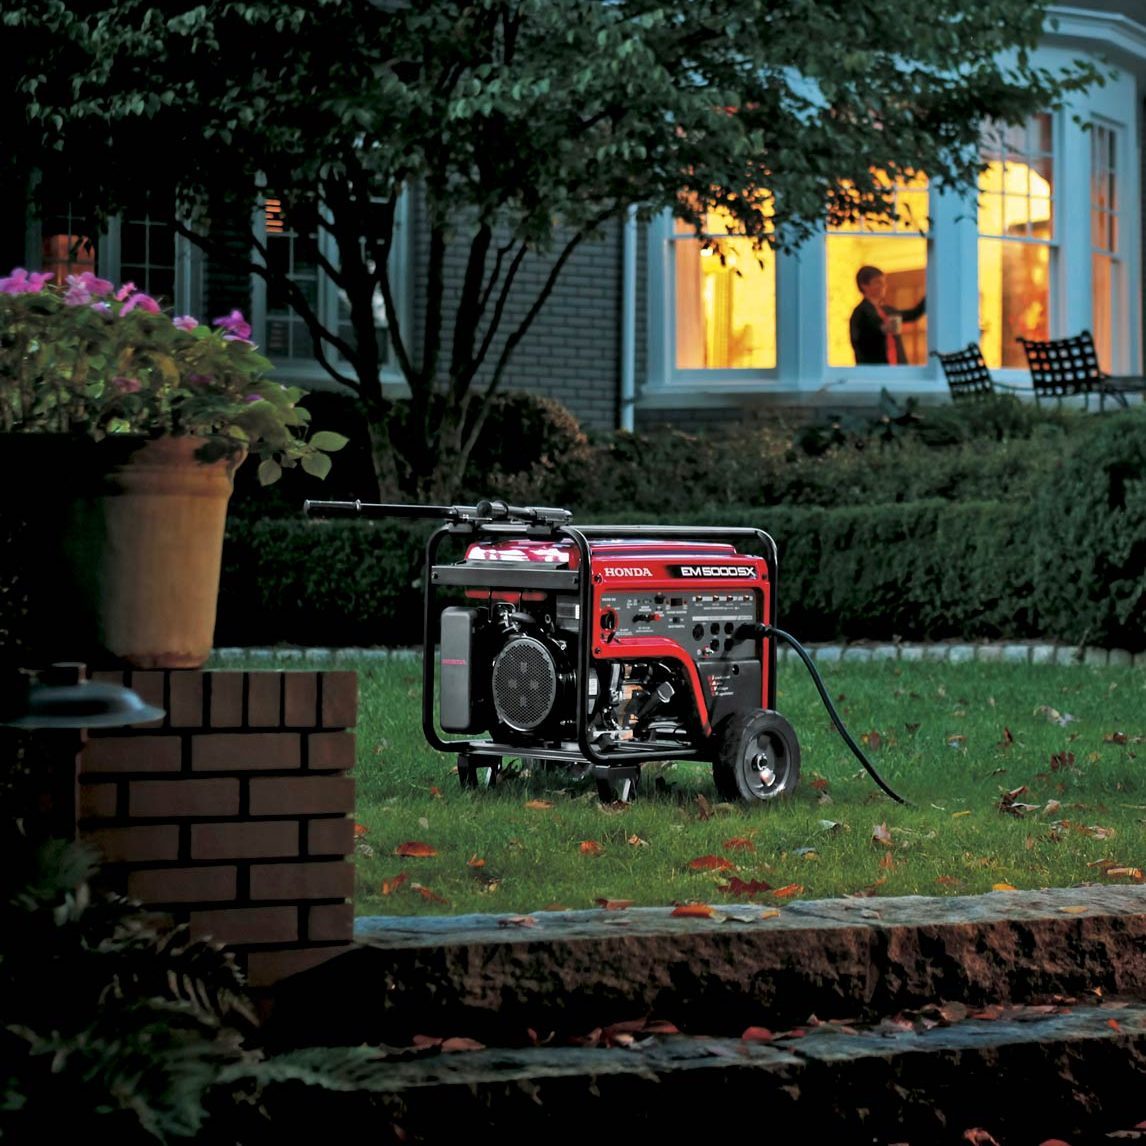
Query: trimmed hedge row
x=917, y=570
x=1066, y=562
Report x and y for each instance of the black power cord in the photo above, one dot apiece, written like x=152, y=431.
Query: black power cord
x=762, y=630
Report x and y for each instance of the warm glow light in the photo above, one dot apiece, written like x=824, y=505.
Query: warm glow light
x=273, y=217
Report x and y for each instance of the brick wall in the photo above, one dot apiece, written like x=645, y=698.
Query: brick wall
x=231, y=814
x=573, y=350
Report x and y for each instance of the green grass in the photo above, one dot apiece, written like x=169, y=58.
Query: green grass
x=942, y=744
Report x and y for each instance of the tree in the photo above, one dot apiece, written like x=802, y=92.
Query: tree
x=522, y=126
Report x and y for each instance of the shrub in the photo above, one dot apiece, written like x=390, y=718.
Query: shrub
x=917, y=570
x=1089, y=552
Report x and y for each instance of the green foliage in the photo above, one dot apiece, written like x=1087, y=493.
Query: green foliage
x=523, y=125
x=115, y=1026
x=1088, y=523
x=94, y=361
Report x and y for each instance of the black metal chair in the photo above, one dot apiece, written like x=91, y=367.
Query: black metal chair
x=1068, y=368
x=968, y=377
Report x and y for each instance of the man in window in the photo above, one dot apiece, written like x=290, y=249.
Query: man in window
x=875, y=325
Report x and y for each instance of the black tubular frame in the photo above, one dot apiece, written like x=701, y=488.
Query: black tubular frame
x=583, y=580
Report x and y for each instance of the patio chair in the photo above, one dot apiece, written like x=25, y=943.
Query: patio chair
x=968, y=377
x=1068, y=367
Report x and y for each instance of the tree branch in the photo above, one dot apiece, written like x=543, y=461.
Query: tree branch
x=468, y=311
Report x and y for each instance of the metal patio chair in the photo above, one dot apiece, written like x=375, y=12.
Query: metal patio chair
x=968, y=377
x=1068, y=367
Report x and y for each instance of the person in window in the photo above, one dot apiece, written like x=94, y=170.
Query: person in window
x=875, y=324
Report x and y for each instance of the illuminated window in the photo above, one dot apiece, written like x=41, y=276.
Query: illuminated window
x=898, y=249
x=1104, y=239
x=725, y=299
x=1016, y=237
x=63, y=249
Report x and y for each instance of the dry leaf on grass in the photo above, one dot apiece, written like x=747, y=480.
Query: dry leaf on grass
x=614, y=904
x=757, y=1035
x=389, y=886
x=412, y=849
x=1003, y=887
x=475, y=861
x=749, y=887
x=710, y=863
x=738, y=843
x=694, y=911
x=591, y=848
x=539, y=805
x=881, y=834
x=788, y=891
x=428, y=895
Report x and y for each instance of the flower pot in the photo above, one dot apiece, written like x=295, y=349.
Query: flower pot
x=149, y=544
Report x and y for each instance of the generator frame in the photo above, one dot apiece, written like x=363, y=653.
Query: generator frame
x=620, y=762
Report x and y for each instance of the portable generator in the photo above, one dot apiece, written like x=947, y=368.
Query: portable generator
x=602, y=648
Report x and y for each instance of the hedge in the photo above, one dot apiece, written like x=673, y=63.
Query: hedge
x=918, y=570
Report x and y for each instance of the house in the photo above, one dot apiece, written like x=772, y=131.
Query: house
x=649, y=324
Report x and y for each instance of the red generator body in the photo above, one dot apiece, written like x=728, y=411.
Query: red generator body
x=602, y=648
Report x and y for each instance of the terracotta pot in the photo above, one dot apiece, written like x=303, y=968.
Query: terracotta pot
x=152, y=540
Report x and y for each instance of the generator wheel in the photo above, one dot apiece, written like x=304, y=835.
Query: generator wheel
x=757, y=756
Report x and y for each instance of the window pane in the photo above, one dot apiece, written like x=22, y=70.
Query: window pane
x=903, y=261
x=1014, y=298
x=725, y=305
x=1103, y=303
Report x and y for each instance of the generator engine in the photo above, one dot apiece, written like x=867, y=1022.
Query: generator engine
x=601, y=648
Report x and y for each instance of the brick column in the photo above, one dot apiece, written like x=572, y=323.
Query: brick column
x=231, y=814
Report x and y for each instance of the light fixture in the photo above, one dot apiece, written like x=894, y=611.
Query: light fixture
x=61, y=697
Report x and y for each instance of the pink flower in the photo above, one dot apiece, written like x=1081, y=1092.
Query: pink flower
x=237, y=327
x=125, y=292
x=127, y=385
x=185, y=322
x=101, y=307
x=142, y=302
x=21, y=282
x=77, y=295
x=92, y=283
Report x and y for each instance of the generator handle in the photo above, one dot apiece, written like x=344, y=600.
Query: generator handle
x=490, y=509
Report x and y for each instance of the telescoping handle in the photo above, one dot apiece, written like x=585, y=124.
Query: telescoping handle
x=487, y=510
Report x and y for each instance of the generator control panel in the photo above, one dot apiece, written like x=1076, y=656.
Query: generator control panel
x=704, y=624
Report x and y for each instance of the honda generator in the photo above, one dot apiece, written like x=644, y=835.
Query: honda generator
x=601, y=648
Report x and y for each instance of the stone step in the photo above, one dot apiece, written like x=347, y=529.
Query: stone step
x=1033, y=1075
x=493, y=977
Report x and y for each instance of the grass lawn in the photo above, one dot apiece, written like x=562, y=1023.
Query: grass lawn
x=953, y=739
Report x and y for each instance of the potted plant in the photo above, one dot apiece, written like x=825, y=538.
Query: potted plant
x=144, y=419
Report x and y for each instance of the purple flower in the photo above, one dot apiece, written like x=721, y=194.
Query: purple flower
x=125, y=292
x=21, y=282
x=142, y=302
x=199, y=379
x=77, y=295
x=185, y=322
x=237, y=327
x=253, y=398
x=127, y=385
x=91, y=283
x=101, y=307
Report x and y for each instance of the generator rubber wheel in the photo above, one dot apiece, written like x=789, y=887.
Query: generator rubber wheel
x=757, y=756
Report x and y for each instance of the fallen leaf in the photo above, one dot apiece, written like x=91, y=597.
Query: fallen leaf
x=475, y=861
x=1100, y=833
x=389, y=886
x=359, y=831
x=703, y=808
x=788, y=890
x=426, y=1041
x=741, y=843
x=517, y=921
x=1114, y=1024
x=829, y=825
x=415, y=850
x=750, y=887
x=1074, y=909
x=436, y=792
x=872, y=740
x=1008, y=739
x=539, y=805
x=694, y=911
x=887, y=860
x=947, y=880
x=1051, y=807
x=1134, y=873
x=614, y=904
x=978, y=1137
x=592, y=848
x=454, y=1045
x=965, y=812
x=428, y=895
x=635, y=841
x=1062, y=761
x=881, y=834
x=1116, y=738
x=769, y=913
x=757, y=1035
x=956, y=741
x=711, y=863
x=820, y=784
x=1003, y=887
